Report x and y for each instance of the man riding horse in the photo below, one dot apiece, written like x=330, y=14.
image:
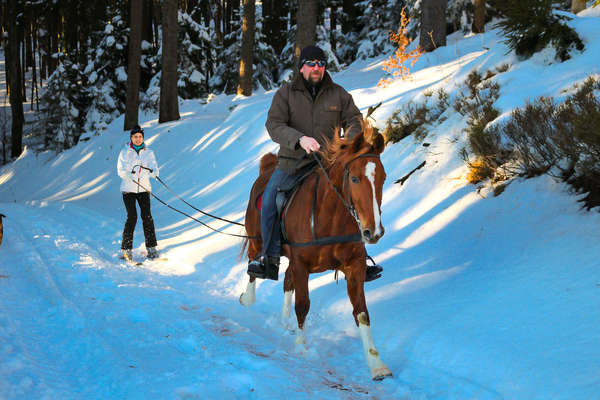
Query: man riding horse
x=304, y=115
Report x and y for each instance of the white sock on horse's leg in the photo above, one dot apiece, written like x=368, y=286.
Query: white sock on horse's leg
x=300, y=338
x=249, y=296
x=287, y=307
x=377, y=367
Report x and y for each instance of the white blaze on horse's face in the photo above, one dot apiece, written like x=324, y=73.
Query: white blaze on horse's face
x=370, y=174
x=370, y=171
x=367, y=193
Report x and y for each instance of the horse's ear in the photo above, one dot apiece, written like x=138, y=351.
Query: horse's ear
x=357, y=143
x=378, y=143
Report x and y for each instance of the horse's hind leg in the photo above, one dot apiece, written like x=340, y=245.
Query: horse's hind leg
x=249, y=296
x=355, y=284
x=288, y=292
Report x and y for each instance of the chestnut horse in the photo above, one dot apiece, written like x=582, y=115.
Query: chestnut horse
x=328, y=221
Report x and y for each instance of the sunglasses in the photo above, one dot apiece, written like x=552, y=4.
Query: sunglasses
x=313, y=63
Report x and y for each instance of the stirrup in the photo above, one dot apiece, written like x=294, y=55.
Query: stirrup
x=264, y=267
x=373, y=271
x=256, y=268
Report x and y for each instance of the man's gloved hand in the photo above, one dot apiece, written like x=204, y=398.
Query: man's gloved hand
x=309, y=144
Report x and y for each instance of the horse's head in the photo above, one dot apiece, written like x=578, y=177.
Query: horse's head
x=356, y=164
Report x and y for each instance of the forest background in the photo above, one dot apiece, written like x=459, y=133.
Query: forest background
x=73, y=66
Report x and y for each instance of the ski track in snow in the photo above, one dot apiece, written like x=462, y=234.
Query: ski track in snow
x=84, y=325
x=91, y=319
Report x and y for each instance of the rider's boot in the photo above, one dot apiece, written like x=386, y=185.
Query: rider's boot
x=264, y=267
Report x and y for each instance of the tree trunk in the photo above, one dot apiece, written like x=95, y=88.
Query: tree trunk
x=169, y=106
x=219, y=22
x=23, y=65
x=433, y=25
x=53, y=34
x=349, y=20
x=147, y=33
x=247, y=59
x=306, y=31
x=577, y=6
x=332, y=26
x=133, y=68
x=13, y=64
x=479, y=17
x=274, y=27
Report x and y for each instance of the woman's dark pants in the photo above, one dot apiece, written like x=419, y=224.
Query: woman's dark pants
x=143, y=199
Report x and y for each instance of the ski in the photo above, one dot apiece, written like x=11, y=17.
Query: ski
x=146, y=261
x=135, y=263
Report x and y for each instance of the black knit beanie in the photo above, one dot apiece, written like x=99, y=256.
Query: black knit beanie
x=310, y=53
x=136, y=129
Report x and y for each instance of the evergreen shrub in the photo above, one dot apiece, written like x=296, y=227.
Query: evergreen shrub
x=416, y=118
x=562, y=140
x=532, y=25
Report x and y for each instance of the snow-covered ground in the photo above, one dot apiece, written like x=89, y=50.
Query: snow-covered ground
x=482, y=297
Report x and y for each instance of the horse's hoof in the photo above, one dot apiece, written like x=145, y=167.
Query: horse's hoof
x=381, y=373
x=246, y=302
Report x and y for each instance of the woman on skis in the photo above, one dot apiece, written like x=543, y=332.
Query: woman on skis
x=136, y=165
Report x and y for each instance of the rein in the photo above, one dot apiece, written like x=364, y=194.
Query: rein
x=179, y=197
x=189, y=216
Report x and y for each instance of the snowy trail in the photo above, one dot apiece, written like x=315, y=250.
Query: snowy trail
x=91, y=319
x=37, y=288
x=81, y=324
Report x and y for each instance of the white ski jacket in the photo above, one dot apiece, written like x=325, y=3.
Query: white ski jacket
x=130, y=160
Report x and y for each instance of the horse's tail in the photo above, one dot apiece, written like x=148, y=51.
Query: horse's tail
x=243, y=249
x=267, y=162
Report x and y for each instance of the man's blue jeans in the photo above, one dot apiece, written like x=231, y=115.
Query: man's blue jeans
x=269, y=220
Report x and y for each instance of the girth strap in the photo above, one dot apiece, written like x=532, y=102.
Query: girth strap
x=356, y=237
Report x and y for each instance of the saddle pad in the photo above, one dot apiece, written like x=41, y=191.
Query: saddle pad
x=259, y=202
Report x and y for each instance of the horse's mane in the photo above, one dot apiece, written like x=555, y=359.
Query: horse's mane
x=336, y=148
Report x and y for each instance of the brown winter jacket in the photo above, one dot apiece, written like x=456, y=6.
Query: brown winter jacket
x=293, y=114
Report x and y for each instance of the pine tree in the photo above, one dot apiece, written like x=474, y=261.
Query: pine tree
x=531, y=25
x=106, y=74
x=226, y=75
x=377, y=18
x=63, y=106
x=196, y=57
x=274, y=26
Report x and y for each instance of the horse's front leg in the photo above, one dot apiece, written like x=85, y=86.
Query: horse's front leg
x=355, y=283
x=299, y=276
x=288, y=292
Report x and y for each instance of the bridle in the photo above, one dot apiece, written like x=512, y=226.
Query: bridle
x=348, y=204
